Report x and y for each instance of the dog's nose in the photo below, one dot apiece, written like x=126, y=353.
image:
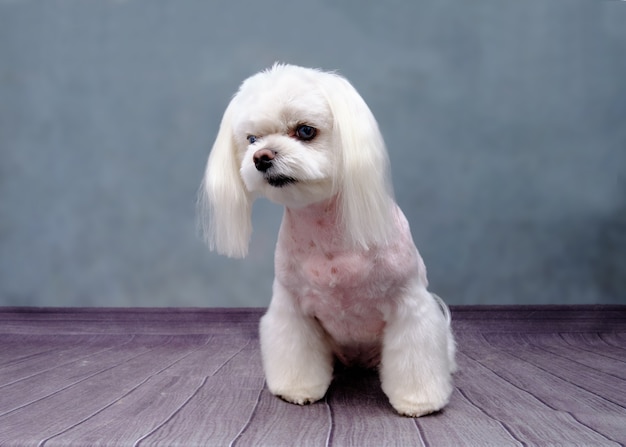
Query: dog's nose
x=263, y=159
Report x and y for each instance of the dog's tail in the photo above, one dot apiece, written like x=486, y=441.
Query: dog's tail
x=444, y=308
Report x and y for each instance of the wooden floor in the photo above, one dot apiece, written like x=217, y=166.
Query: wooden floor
x=528, y=376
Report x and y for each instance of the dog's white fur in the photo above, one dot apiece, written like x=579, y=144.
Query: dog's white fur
x=349, y=281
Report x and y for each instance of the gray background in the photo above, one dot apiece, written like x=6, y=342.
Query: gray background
x=505, y=122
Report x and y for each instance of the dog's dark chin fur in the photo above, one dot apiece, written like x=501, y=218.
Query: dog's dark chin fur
x=278, y=181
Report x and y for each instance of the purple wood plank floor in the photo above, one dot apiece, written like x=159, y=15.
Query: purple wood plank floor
x=84, y=377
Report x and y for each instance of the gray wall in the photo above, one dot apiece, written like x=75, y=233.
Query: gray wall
x=506, y=123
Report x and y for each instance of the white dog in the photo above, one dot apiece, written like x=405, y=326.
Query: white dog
x=349, y=281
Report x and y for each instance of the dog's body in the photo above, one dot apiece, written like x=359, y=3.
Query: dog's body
x=349, y=282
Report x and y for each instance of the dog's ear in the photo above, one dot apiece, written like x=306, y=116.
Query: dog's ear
x=224, y=204
x=362, y=176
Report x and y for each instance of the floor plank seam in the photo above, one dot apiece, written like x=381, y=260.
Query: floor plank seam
x=540, y=400
x=138, y=442
x=110, y=404
x=569, y=359
x=331, y=422
x=230, y=358
x=592, y=351
x=602, y=336
x=420, y=433
x=71, y=385
x=62, y=364
x=513, y=353
x=496, y=420
x=245, y=426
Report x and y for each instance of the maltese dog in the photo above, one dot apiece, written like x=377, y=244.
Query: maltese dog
x=349, y=282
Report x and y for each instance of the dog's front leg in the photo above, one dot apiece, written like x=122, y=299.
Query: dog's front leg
x=297, y=359
x=417, y=356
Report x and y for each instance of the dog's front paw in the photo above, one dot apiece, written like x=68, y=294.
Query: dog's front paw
x=420, y=403
x=299, y=384
x=301, y=396
x=415, y=408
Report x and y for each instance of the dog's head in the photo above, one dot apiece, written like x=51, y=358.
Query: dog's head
x=297, y=136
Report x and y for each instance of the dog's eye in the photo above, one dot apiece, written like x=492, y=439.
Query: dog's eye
x=305, y=132
x=252, y=139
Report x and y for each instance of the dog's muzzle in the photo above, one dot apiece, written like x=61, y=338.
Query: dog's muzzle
x=264, y=161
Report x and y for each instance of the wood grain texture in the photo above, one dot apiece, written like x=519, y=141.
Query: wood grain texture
x=192, y=377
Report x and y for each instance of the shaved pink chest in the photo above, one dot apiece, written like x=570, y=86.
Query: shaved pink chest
x=350, y=292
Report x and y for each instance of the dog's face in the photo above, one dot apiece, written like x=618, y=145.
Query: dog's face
x=285, y=139
x=297, y=136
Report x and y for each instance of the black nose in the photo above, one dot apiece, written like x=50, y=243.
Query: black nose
x=263, y=159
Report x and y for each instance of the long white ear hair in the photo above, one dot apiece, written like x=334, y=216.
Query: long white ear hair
x=224, y=204
x=362, y=175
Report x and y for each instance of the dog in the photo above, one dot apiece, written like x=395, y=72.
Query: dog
x=349, y=282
